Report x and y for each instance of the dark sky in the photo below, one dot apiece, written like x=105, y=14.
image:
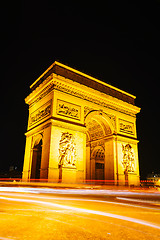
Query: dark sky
x=116, y=41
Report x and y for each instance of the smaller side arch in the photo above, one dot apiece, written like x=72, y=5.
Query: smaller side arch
x=98, y=158
x=98, y=153
x=36, y=139
x=36, y=157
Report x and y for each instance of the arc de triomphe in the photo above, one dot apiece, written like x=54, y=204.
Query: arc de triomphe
x=80, y=128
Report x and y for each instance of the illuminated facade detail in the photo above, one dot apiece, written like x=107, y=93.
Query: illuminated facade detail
x=68, y=109
x=126, y=127
x=67, y=150
x=39, y=114
x=128, y=158
x=76, y=129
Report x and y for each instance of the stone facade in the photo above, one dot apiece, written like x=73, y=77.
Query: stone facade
x=80, y=129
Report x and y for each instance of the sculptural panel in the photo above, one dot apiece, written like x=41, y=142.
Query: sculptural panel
x=128, y=158
x=67, y=150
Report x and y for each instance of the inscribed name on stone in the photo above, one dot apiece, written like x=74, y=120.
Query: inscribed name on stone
x=69, y=110
x=126, y=127
x=41, y=113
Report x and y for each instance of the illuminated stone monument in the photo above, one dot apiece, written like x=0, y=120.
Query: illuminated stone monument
x=80, y=129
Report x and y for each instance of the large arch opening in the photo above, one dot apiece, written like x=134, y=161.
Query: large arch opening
x=36, y=160
x=99, y=129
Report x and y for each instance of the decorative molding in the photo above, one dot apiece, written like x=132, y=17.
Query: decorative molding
x=112, y=119
x=68, y=109
x=87, y=110
x=54, y=81
x=43, y=93
x=89, y=97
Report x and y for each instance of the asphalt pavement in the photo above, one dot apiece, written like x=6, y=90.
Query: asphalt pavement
x=75, y=213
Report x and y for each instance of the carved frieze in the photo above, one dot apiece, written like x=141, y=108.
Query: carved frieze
x=41, y=113
x=126, y=127
x=67, y=150
x=89, y=97
x=128, y=158
x=70, y=90
x=68, y=109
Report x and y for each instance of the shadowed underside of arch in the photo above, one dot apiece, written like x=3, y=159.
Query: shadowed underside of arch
x=97, y=125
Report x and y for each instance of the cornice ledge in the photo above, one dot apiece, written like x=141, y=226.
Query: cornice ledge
x=39, y=90
x=115, y=104
x=54, y=81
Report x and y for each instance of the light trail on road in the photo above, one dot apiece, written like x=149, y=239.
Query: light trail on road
x=79, y=191
x=84, y=211
x=138, y=200
x=38, y=213
x=93, y=200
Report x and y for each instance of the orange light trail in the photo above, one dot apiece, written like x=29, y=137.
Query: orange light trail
x=82, y=210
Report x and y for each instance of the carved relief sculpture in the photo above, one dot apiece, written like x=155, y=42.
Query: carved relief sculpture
x=128, y=158
x=67, y=150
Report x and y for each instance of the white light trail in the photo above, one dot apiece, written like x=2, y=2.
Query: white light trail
x=133, y=220
x=3, y=238
x=83, y=200
x=138, y=200
x=78, y=191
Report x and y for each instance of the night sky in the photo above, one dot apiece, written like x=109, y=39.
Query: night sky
x=117, y=42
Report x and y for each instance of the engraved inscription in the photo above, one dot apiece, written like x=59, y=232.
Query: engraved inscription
x=40, y=114
x=68, y=109
x=126, y=127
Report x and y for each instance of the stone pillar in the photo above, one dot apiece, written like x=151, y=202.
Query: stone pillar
x=129, y=175
x=88, y=162
x=80, y=140
x=53, y=167
x=68, y=173
x=110, y=170
x=93, y=173
x=27, y=159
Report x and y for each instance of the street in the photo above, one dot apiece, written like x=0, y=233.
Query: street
x=46, y=213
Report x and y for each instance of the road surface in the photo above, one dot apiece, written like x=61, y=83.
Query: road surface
x=44, y=213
